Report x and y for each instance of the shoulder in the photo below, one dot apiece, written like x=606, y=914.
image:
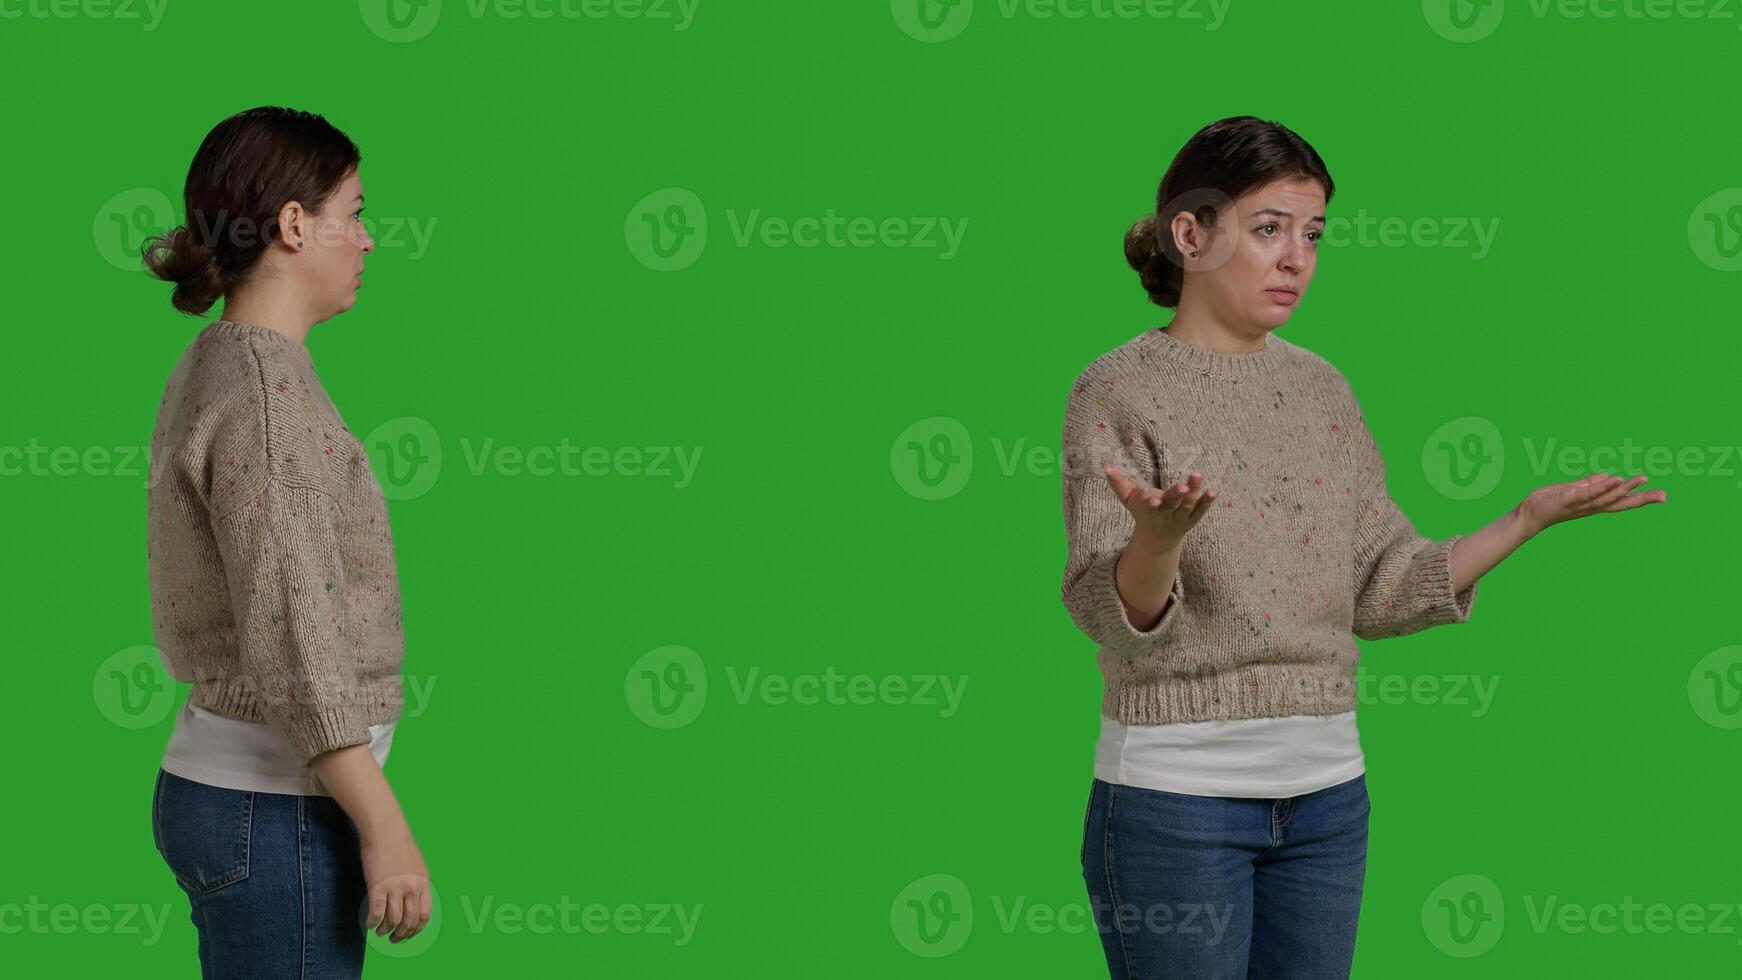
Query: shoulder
x=272, y=406
x=1124, y=364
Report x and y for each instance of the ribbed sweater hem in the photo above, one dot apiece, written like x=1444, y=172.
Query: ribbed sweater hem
x=1254, y=691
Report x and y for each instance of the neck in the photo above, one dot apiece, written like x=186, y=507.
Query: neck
x=274, y=307
x=1192, y=324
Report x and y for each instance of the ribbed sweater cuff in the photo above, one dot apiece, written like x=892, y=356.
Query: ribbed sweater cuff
x=1444, y=605
x=312, y=731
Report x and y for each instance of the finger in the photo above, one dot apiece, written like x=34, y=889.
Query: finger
x=425, y=906
x=394, y=910
x=1123, y=486
x=407, y=916
x=1204, y=504
x=377, y=909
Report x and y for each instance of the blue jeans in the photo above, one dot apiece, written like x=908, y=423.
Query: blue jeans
x=1226, y=888
x=275, y=882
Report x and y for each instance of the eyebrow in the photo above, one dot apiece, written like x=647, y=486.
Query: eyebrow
x=1285, y=214
x=359, y=199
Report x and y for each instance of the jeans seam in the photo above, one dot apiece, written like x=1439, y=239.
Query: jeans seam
x=1113, y=884
x=302, y=850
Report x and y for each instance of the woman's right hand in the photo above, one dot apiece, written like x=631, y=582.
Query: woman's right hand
x=1163, y=516
x=399, y=890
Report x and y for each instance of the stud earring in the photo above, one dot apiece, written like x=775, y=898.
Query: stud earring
x=1194, y=253
x=299, y=245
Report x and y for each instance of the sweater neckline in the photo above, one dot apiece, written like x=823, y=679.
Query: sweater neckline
x=236, y=328
x=1222, y=364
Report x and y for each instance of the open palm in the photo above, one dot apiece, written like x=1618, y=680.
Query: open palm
x=1598, y=493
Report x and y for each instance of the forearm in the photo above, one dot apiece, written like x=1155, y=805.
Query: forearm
x=1144, y=577
x=1474, y=555
x=359, y=786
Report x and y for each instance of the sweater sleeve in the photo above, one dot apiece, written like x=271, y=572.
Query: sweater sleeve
x=1403, y=580
x=1099, y=429
x=276, y=528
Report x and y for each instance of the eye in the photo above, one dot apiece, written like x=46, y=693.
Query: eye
x=1271, y=225
x=358, y=215
x=1316, y=235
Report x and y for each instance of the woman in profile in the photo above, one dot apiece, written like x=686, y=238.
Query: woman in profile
x=1229, y=535
x=273, y=585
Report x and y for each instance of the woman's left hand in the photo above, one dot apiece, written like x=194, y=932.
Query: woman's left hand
x=1598, y=493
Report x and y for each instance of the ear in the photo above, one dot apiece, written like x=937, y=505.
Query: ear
x=1188, y=235
x=293, y=225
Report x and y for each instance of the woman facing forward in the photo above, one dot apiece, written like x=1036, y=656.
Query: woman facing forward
x=1229, y=535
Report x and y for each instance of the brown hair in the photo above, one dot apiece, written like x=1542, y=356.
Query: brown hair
x=247, y=168
x=1219, y=163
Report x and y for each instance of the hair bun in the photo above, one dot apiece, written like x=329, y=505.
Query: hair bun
x=181, y=257
x=1144, y=253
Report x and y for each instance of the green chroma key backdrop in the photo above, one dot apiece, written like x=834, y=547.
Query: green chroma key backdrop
x=714, y=358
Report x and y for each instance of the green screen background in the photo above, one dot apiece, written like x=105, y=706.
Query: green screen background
x=1600, y=315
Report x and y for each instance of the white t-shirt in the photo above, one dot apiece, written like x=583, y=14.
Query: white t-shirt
x=251, y=755
x=1268, y=758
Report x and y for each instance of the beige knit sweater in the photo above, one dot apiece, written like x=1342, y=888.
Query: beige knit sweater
x=1302, y=551
x=273, y=584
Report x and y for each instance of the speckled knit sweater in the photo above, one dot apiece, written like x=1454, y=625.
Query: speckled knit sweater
x=273, y=583
x=1302, y=551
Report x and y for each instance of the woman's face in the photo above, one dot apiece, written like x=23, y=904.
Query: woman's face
x=330, y=263
x=1267, y=239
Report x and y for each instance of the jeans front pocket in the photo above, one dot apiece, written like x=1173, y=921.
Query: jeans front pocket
x=202, y=831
